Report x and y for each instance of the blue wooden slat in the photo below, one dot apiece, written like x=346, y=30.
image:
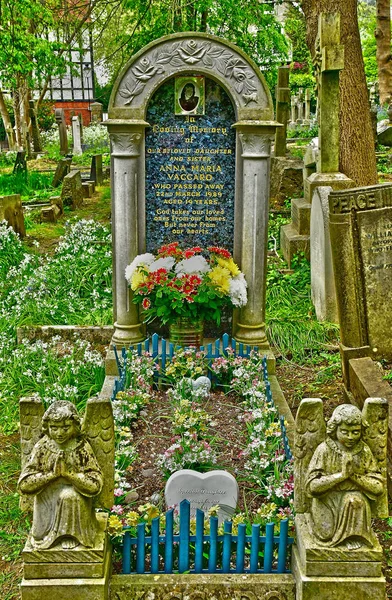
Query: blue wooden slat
x=169, y=541
x=241, y=349
x=141, y=548
x=163, y=356
x=116, y=357
x=171, y=351
x=254, y=551
x=209, y=351
x=212, y=559
x=269, y=547
x=283, y=544
x=183, y=556
x=248, y=349
x=199, y=541
x=155, y=345
x=240, y=548
x=233, y=344
x=126, y=562
x=217, y=348
x=155, y=545
x=227, y=538
x=225, y=343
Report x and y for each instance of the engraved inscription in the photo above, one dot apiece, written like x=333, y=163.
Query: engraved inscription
x=361, y=199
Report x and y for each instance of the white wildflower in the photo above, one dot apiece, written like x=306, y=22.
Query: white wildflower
x=237, y=290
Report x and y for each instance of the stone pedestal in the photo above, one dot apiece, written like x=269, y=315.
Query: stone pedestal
x=78, y=574
x=335, y=573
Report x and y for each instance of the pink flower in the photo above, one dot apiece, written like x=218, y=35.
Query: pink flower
x=119, y=492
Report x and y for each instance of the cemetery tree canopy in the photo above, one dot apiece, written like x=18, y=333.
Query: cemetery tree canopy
x=357, y=156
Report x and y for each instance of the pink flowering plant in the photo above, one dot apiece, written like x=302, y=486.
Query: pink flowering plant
x=194, y=283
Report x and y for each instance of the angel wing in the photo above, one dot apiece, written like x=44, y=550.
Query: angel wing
x=98, y=426
x=375, y=435
x=310, y=431
x=31, y=411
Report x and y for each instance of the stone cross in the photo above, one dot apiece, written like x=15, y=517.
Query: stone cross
x=330, y=58
x=293, y=109
x=282, y=110
x=60, y=119
x=96, y=112
x=76, y=135
x=37, y=143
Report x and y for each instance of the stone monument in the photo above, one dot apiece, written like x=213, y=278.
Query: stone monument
x=183, y=59
x=340, y=483
x=282, y=109
x=361, y=236
x=384, y=130
x=11, y=210
x=329, y=61
x=60, y=120
x=96, y=112
x=72, y=190
x=76, y=136
x=68, y=468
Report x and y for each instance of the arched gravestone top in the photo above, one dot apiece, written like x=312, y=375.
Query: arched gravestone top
x=188, y=54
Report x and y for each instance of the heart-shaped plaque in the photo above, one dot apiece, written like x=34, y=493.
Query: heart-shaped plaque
x=203, y=490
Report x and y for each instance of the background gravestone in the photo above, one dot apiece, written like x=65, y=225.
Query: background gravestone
x=11, y=210
x=361, y=237
x=62, y=169
x=60, y=120
x=76, y=136
x=72, y=190
x=190, y=166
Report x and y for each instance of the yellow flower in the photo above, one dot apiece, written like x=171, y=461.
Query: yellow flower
x=115, y=525
x=132, y=518
x=220, y=277
x=138, y=278
x=229, y=264
x=213, y=511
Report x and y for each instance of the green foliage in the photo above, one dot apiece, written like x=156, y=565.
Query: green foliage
x=25, y=185
x=302, y=80
x=367, y=27
x=45, y=115
x=295, y=29
x=291, y=323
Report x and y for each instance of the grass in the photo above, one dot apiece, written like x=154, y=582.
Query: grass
x=32, y=185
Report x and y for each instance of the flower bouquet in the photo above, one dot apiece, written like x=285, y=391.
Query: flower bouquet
x=192, y=284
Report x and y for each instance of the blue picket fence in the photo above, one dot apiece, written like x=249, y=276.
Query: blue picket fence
x=184, y=552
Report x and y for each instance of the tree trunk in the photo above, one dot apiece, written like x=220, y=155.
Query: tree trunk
x=383, y=51
x=357, y=157
x=18, y=118
x=7, y=123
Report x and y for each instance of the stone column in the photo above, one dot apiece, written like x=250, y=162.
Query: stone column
x=76, y=136
x=307, y=106
x=126, y=138
x=293, y=111
x=255, y=140
x=282, y=110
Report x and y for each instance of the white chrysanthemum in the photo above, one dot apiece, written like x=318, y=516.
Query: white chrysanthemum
x=166, y=262
x=237, y=290
x=193, y=266
x=141, y=259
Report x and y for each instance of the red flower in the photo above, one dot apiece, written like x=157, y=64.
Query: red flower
x=146, y=303
x=169, y=250
x=195, y=280
x=160, y=276
x=192, y=251
x=219, y=251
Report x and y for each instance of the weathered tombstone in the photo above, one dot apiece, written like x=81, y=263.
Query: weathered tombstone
x=307, y=106
x=293, y=113
x=384, y=130
x=96, y=112
x=68, y=473
x=76, y=136
x=72, y=190
x=282, y=110
x=60, y=120
x=300, y=106
x=203, y=490
x=361, y=236
x=328, y=61
x=336, y=546
x=321, y=268
x=62, y=169
x=186, y=164
x=37, y=143
x=96, y=172
x=11, y=210
x=20, y=165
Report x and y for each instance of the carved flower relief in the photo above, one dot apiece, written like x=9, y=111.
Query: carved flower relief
x=126, y=143
x=255, y=144
x=191, y=52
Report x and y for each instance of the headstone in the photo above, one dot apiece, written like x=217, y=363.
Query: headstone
x=60, y=120
x=72, y=190
x=96, y=172
x=76, y=136
x=190, y=164
x=11, y=210
x=321, y=269
x=300, y=106
x=361, y=236
x=96, y=112
x=307, y=106
x=293, y=118
x=62, y=169
x=37, y=143
x=56, y=201
x=87, y=189
x=384, y=130
x=203, y=490
x=192, y=186
x=282, y=110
